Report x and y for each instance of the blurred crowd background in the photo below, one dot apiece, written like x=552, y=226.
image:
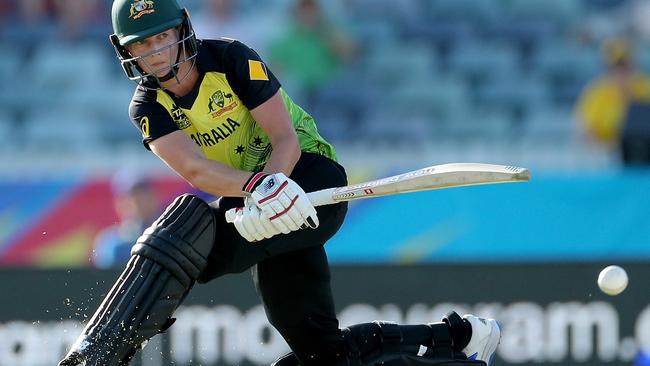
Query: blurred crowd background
x=452, y=77
x=559, y=86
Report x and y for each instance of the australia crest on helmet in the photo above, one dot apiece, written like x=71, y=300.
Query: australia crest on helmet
x=140, y=8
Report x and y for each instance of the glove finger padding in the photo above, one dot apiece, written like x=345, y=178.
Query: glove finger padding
x=309, y=213
x=249, y=224
x=278, y=224
x=268, y=225
x=296, y=207
x=262, y=224
x=282, y=200
x=264, y=213
x=239, y=225
x=253, y=225
x=276, y=211
x=302, y=205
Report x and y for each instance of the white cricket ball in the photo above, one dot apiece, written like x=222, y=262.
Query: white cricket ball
x=612, y=280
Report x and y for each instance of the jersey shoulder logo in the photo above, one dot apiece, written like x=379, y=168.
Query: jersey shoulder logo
x=180, y=118
x=257, y=70
x=140, y=8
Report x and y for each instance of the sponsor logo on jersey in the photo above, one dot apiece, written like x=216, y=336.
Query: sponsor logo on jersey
x=180, y=118
x=257, y=70
x=144, y=126
x=217, y=103
x=140, y=8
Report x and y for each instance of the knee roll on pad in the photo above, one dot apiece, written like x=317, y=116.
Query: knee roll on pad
x=165, y=262
x=181, y=239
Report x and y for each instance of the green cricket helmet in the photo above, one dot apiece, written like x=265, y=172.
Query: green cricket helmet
x=136, y=20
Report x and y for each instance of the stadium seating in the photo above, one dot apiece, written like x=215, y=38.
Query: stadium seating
x=562, y=12
x=445, y=68
x=477, y=12
x=61, y=128
x=10, y=60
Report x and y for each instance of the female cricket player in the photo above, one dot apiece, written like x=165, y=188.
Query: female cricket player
x=218, y=117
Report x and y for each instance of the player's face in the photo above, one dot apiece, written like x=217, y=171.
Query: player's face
x=156, y=53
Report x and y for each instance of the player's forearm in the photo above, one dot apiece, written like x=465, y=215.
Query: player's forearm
x=215, y=178
x=285, y=155
x=273, y=117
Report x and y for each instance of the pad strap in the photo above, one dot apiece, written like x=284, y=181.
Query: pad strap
x=391, y=337
x=460, y=331
x=442, y=342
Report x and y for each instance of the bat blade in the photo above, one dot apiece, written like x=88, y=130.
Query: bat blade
x=429, y=178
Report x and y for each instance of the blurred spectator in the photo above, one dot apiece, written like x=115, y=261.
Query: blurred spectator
x=635, y=136
x=5, y=9
x=312, y=50
x=29, y=21
x=222, y=18
x=137, y=206
x=81, y=19
x=602, y=107
x=32, y=12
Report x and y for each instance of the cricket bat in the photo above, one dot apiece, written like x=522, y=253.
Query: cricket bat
x=433, y=177
x=429, y=178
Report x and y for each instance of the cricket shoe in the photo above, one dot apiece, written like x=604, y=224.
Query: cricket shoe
x=486, y=335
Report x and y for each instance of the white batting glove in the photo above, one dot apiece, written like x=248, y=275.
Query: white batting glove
x=253, y=224
x=282, y=201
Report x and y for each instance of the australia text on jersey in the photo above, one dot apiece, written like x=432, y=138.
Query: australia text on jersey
x=216, y=134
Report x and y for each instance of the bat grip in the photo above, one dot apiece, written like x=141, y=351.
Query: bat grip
x=322, y=197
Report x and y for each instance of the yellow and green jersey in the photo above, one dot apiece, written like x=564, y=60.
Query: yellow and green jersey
x=216, y=113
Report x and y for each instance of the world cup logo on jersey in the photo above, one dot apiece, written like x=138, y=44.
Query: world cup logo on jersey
x=179, y=117
x=140, y=8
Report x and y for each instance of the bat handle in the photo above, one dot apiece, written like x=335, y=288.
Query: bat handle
x=322, y=197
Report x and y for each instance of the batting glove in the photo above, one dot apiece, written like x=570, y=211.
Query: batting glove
x=282, y=201
x=253, y=224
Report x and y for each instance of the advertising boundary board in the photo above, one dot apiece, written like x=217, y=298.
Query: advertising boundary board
x=552, y=314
